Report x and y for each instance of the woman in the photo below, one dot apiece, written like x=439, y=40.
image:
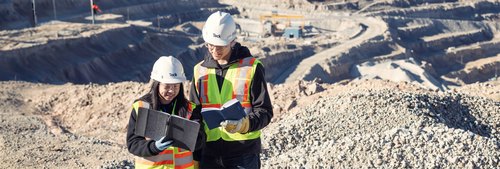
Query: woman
x=167, y=95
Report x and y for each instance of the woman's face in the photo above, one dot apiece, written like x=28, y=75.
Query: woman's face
x=168, y=92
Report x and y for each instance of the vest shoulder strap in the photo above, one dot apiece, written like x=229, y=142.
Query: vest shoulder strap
x=249, y=61
x=138, y=104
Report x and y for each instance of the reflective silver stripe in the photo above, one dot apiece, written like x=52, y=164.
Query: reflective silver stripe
x=145, y=105
x=239, y=89
x=182, y=161
x=245, y=67
x=242, y=80
x=202, y=72
x=246, y=61
x=160, y=157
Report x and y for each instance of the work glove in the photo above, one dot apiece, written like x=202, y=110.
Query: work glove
x=163, y=144
x=233, y=126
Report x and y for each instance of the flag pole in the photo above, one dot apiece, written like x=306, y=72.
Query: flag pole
x=92, y=10
x=34, y=12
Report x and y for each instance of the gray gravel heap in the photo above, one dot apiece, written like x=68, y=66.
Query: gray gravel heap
x=386, y=128
x=124, y=164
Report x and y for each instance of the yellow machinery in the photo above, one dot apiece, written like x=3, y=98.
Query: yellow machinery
x=275, y=23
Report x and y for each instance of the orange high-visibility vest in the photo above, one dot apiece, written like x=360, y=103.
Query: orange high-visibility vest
x=171, y=158
x=236, y=84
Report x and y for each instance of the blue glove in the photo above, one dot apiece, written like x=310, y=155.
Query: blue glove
x=163, y=144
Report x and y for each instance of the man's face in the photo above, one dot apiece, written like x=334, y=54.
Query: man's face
x=219, y=52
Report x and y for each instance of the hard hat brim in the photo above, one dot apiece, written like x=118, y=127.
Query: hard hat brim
x=170, y=81
x=216, y=41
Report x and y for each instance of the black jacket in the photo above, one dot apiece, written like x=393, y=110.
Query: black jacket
x=261, y=103
x=139, y=146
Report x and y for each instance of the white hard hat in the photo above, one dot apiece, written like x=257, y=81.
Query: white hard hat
x=219, y=29
x=167, y=69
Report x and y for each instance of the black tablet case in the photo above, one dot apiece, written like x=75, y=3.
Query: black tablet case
x=156, y=124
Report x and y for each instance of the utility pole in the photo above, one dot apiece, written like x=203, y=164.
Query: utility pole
x=496, y=72
x=158, y=17
x=179, y=18
x=34, y=12
x=54, y=7
x=128, y=14
x=92, y=11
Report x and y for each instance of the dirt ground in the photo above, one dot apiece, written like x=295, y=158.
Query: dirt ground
x=84, y=126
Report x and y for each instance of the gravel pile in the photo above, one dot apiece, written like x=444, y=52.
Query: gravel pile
x=27, y=142
x=125, y=164
x=387, y=128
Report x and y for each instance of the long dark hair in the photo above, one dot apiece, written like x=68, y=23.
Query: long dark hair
x=180, y=99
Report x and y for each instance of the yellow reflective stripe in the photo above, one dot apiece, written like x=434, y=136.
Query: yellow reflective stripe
x=145, y=166
x=212, y=135
x=164, y=163
x=196, y=165
x=238, y=137
x=217, y=133
x=226, y=93
x=212, y=88
x=191, y=107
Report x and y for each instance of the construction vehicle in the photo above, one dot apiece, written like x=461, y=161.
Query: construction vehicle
x=275, y=24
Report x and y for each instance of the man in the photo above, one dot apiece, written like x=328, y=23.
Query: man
x=229, y=71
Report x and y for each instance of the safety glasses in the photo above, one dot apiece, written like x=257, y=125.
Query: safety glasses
x=215, y=47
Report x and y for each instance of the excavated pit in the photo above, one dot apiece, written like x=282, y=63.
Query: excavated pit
x=433, y=39
x=120, y=54
x=18, y=12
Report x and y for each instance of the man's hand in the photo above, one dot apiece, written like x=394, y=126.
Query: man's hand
x=233, y=126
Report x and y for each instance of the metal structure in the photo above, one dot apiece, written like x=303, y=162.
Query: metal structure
x=275, y=23
x=276, y=16
x=292, y=32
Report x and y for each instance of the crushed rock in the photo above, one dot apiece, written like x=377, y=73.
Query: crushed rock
x=386, y=128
